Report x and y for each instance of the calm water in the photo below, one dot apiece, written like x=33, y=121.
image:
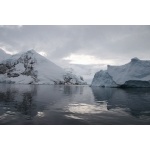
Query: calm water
x=51, y=104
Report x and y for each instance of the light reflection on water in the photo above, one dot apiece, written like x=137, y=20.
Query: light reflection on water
x=53, y=104
x=40, y=114
x=83, y=108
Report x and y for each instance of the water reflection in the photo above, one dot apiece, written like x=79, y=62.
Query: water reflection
x=18, y=100
x=27, y=105
x=135, y=101
x=83, y=108
x=43, y=104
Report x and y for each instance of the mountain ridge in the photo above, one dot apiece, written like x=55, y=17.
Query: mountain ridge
x=33, y=68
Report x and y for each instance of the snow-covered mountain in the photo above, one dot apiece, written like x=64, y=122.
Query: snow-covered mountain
x=134, y=74
x=3, y=55
x=32, y=68
x=87, y=71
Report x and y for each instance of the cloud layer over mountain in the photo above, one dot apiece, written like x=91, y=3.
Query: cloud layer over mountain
x=79, y=46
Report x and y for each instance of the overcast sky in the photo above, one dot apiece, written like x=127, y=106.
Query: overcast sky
x=84, y=47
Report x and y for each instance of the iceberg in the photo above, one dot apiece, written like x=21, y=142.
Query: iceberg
x=136, y=73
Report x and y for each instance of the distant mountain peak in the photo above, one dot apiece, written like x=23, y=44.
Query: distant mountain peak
x=135, y=59
x=31, y=51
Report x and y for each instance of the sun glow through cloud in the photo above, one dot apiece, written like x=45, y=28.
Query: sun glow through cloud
x=43, y=53
x=86, y=60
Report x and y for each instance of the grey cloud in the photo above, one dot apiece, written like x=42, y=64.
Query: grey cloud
x=60, y=41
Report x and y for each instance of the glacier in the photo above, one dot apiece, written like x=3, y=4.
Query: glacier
x=33, y=68
x=136, y=73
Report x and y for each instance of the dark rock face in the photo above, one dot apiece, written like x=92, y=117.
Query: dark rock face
x=67, y=79
x=12, y=75
x=9, y=66
x=72, y=79
x=81, y=78
x=3, y=69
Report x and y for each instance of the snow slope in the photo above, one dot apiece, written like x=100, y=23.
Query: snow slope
x=134, y=74
x=32, y=68
x=3, y=55
x=87, y=71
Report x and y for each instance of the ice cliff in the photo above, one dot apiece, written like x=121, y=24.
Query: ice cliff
x=136, y=73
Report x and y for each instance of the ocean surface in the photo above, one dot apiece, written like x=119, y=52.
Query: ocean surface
x=73, y=105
